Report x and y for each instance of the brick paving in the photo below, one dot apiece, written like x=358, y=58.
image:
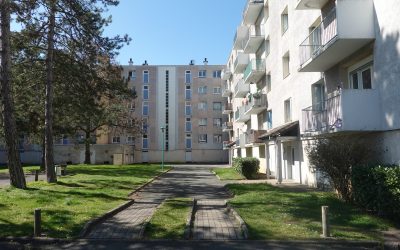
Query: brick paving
x=212, y=222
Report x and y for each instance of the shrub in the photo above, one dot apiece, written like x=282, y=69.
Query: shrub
x=248, y=167
x=334, y=158
x=377, y=189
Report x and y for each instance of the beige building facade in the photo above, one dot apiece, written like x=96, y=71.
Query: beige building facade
x=304, y=68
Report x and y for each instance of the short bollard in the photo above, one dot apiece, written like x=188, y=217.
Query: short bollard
x=37, y=223
x=325, y=221
x=36, y=175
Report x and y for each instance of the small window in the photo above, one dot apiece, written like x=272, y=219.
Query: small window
x=188, y=125
x=284, y=21
x=188, y=93
x=362, y=77
x=145, y=92
x=188, y=141
x=188, y=108
x=202, y=138
x=268, y=82
x=203, y=90
x=130, y=139
x=217, y=90
x=188, y=76
x=217, y=106
x=116, y=139
x=217, y=74
x=131, y=106
x=286, y=65
x=145, y=125
x=132, y=75
x=217, y=139
x=202, y=73
x=203, y=122
x=145, y=76
x=217, y=122
x=145, y=142
x=202, y=105
x=268, y=119
x=145, y=109
x=288, y=110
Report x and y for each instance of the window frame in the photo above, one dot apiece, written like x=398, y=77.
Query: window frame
x=146, y=77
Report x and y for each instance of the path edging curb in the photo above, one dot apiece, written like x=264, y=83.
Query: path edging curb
x=147, y=183
x=239, y=219
x=190, y=221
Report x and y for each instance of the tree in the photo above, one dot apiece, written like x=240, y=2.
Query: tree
x=334, y=158
x=17, y=178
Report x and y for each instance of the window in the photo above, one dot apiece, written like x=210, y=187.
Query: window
x=145, y=125
x=361, y=78
x=131, y=106
x=217, y=90
x=203, y=90
x=217, y=138
x=188, y=76
x=284, y=21
x=130, y=139
x=202, y=138
x=267, y=47
x=132, y=75
x=145, y=76
x=288, y=110
x=188, y=93
x=188, y=125
x=203, y=122
x=286, y=64
x=268, y=82
x=202, y=105
x=217, y=106
x=268, y=119
x=261, y=151
x=145, y=92
x=145, y=142
x=217, y=122
x=145, y=108
x=188, y=141
x=217, y=74
x=202, y=73
x=116, y=139
x=188, y=108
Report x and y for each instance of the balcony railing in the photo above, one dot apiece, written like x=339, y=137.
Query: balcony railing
x=253, y=38
x=252, y=136
x=319, y=38
x=254, y=70
x=252, y=10
x=256, y=103
x=226, y=73
x=226, y=89
x=241, y=61
x=227, y=126
x=241, y=89
x=225, y=144
x=227, y=108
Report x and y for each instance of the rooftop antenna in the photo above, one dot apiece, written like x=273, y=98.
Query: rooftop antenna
x=205, y=61
x=130, y=62
x=192, y=62
x=145, y=63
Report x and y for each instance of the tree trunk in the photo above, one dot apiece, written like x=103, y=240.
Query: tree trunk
x=43, y=160
x=17, y=178
x=87, y=148
x=49, y=154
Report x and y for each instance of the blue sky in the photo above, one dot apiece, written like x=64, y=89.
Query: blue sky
x=176, y=31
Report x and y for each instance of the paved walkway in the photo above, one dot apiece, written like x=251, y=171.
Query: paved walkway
x=183, y=181
x=213, y=222
x=5, y=178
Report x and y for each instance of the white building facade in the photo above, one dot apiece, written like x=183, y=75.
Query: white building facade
x=300, y=68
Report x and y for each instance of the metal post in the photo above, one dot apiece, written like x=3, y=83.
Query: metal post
x=37, y=223
x=36, y=175
x=325, y=221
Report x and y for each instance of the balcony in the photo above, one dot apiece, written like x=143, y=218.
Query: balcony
x=310, y=4
x=254, y=38
x=226, y=73
x=347, y=110
x=242, y=116
x=252, y=10
x=227, y=109
x=243, y=140
x=344, y=30
x=239, y=37
x=241, y=89
x=227, y=126
x=226, y=89
x=256, y=104
x=252, y=136
x=241, y=62
x=255, y=70
x=226, y=145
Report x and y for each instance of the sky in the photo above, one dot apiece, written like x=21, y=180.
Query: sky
x=168, y=32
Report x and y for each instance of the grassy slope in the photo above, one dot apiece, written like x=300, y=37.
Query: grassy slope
x=228, y=174
x=87, y=192
x=276, y=213
x=168, y=222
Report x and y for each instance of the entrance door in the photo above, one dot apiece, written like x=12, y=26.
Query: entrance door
x=289, y=162
x=188, y=156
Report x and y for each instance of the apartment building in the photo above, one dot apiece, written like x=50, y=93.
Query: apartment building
x=304, y=68
x=181, y=109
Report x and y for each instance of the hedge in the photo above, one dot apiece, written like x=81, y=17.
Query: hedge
x=377, y=189
x=248, y=166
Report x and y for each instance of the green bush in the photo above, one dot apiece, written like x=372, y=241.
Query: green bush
x=377, y=189
x=248, y=166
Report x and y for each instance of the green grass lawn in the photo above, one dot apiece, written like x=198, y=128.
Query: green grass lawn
x=168, y=222
x=275, y=213
x=228, y=174
x=27, y=169
x=86, y=192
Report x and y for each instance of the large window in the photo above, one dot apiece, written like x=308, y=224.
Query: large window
x=188, y=125
x=188, y=93
x=202, y=73
x=145, y=76
x=145, y=108
x=188, y=108
x=145, y=92
x=202, y=138
x=188, y=141
x=217, y=106
x=145, y=142
x=361, y=78
x=188, y=76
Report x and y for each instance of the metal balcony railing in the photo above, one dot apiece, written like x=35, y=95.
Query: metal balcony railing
x=319, y=38
x=254, y=65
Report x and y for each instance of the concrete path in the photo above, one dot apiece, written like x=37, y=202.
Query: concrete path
x=183, y=181
x=5, y=178
x=212, y=222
